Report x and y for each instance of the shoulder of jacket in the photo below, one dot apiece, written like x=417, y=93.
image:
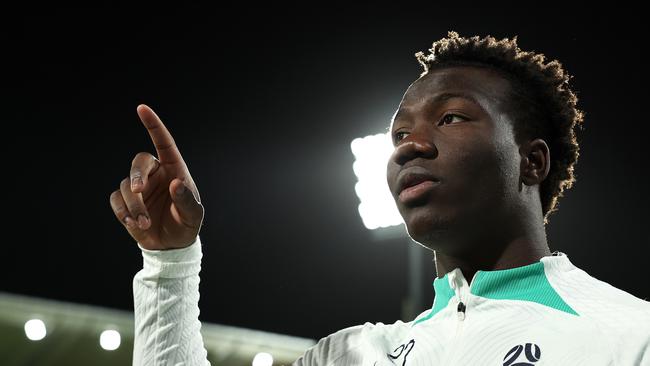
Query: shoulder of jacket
x=331, y=349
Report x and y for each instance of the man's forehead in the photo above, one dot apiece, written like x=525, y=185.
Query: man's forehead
x=485, y=85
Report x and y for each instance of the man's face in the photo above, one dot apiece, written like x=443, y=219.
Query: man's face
x=467, y=147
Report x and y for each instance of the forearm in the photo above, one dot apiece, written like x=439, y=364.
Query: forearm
x=166, y=296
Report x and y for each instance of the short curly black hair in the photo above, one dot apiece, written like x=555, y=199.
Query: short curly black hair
x=541, y=95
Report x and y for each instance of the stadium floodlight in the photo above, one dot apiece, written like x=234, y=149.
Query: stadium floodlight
x=110, y=340
x=377, y=207
x=263, y=359
x=35, y=329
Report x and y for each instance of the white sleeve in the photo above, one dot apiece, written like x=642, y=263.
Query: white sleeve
x=342, y=348
x=166, y=305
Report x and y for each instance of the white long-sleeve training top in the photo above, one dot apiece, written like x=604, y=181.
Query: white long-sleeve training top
x=546, y=313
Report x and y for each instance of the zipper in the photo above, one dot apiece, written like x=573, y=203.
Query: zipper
x=461, y=307
x=460, y=310
x=461, y=291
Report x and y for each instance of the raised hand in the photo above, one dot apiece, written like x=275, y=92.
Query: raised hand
x=159, y=203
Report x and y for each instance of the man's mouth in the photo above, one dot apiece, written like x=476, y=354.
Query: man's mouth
x=412, y=177
x=416, y=191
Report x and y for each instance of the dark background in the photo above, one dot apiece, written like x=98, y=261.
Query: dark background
x=263, y=104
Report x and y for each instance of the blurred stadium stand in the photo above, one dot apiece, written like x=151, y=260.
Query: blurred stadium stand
x=73, y=332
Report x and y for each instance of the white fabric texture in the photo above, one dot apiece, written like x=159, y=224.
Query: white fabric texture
x=602, y=326
x=166, y=307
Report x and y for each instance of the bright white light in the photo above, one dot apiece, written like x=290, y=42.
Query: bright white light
x=110, y=340
x=377, y=207
x=263, y=359
x=35, y=329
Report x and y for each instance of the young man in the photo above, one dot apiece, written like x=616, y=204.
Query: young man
x=484, y=147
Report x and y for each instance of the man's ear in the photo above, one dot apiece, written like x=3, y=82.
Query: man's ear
x=535, y=162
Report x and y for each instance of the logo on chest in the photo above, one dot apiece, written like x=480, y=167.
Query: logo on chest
x=523, y=355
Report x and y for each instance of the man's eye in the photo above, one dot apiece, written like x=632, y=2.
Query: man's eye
x=450, y=118
x=446, y=119
x=397, y=135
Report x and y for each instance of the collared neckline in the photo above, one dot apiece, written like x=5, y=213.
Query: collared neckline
x=527, y=283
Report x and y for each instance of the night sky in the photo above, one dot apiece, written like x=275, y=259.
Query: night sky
x=263, y=105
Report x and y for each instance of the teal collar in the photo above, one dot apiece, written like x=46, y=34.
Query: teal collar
x=526, y=283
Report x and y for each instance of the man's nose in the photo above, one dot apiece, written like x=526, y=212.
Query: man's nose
x=418, y=143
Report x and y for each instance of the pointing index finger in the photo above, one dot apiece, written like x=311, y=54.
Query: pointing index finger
x=162, y=139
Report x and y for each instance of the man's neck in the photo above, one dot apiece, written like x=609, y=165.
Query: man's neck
x=516, y=251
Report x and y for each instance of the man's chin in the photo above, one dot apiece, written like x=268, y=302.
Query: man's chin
x=429, y=230
x=436, y=232
x=455, y=234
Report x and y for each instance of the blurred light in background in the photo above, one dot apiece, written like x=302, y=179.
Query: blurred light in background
x=110, y=340
x=377, y=207
x=263, y=359
x=35, y=329
x=379, y=212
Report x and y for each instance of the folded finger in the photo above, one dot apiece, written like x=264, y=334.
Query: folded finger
x=143, y=165
x=121, y=211
x=135, y=204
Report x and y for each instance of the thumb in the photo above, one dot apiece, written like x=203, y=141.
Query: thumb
x=189, y=209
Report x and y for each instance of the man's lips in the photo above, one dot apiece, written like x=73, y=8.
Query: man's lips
x=414, y=192
x=414, y=182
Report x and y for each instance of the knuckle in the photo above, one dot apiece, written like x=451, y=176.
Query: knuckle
x=165, y=146
x=121, y=212
x=135, y=173
x=118, y=206
x=125, y=184
x=140, y=157
x=133, y=211
x=137, y=208
x=115, y=195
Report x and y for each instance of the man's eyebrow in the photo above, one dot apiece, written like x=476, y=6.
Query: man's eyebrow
x=439, y=98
